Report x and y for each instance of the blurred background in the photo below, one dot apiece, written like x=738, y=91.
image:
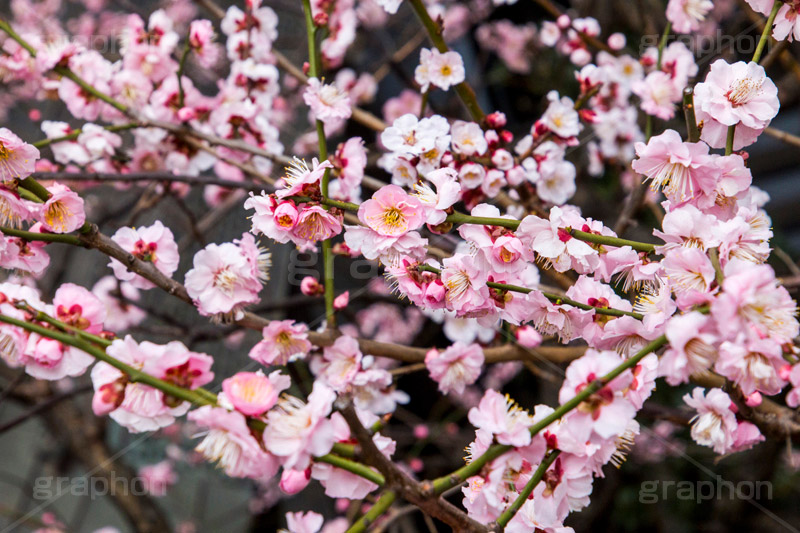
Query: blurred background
x=47, y=430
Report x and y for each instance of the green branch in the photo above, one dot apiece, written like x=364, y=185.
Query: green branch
x=380, y=507
x=509, y=513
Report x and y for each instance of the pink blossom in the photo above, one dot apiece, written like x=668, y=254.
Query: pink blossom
x=311, y=287
x=528, y=337
x=45, y=358
x=327, y=102
x=294, y=481
x=692, y=347
x=222, y=280
x=120, y=313
x=468, y=138
x=316, y=224
x=687, y=15
x=230, y=443
x=63, y=211
x=688, y=270
x=154, y=244
x=793, y=375
x=714, y=425
x=201, y=39
x=339, y=363
x=296, y=431
x=606, y=412
x=554, y=245
x=17, y=158
x=560, y=117
x=447, y=193
x=503, y=418
x=659, y=94
x=786, y=22
x=13, y=209
x=739, y=93
x=309, y=522
x=681, y=169
x=350, y=161
x=456, y=367
x=440, y=69
x=283, y=341
x=300, y=179
x=391, y=212
x=158, y=477
x=251, y=393
x=753, y=364
x=24, y=255
x=751, y=297
x=465, y=283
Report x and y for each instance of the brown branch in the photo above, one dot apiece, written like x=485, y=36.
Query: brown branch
x=419, y=494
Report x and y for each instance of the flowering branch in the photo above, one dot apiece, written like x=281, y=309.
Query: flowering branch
x=537, y=476
x=379, y=508
x=463, y=89
x=496, y=450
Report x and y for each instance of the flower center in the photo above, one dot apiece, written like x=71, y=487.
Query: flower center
x=393, y=217
x=225, y=280
x=743, y=91
x=56, y=216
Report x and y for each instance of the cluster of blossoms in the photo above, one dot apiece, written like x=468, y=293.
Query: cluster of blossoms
x=704, y=292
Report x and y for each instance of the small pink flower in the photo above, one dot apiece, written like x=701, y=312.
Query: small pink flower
x=440, y=69
x=327, y=102
x=13, y=209
x=158, y=477
x=456, y=367
x=222, y=280
x=659, y=94
x=17, y=158
x=283, y=341
x=339, y=363
x=341, y=301
x=230, y=443
x=687, y=15
x=528, y=337
x=63, y=211
x=392, y=212
x=154, y=244
x=309, y=522
x=681, y=169
x=251, y=393
x=299, y=177
x=201, y=39
x=738, y=93
x=715, y=424
x=79, y=308
x=316, y=224
x=503, y=418
x=297, y=431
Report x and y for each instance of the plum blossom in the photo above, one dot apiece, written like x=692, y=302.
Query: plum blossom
x=339, y=363
x=714, y=425
x=687, y=15
x=283, y=341
x=228, y=441
x=222, y=281
x=63, y=211
x=440, y=69
x=503, y=418
x=17, y=158
x=391, y=212
x=153, y=244
x=327, y=102
x=456, y=367
x=296, y=431
x=253, y=393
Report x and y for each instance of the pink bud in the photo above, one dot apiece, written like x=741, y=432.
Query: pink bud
x=341, y=301
x=416, y=464
x=342, y=504
x=293, y=481
x=785, y=372
x=754, y=400
x=434, y=292
x=186, y=113
x=35, y=115
x=528, y=337
x=311, y=287
x=616, y=41
x=496, y=120
x=421, y=431
x=251, y=393
x=563, y=22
